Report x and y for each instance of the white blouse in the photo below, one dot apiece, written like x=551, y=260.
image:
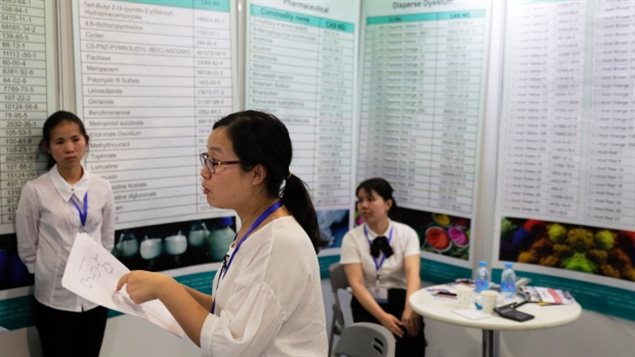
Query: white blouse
x=46, y=223
x=356, y=249
x=269, y=303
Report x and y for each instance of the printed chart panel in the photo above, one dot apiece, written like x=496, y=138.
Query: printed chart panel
x=566, y=181
x=28, y=85
x=152, y=78
x=423, y=102
x=301, y=66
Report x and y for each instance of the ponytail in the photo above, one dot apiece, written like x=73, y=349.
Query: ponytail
x=296, y=198
x=261, y=138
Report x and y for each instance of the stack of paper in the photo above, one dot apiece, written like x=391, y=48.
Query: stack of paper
x=92, y=273
x=545, y=295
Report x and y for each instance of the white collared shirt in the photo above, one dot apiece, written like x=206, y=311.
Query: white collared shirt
x=46, y=223
x=269, y=303
x=355, y=249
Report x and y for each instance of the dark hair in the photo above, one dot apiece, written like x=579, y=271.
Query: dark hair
x=383, y=189
x=261, y=138
x=51, y=123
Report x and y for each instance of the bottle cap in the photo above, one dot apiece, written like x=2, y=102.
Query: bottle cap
x=508, y=265
x=482, y=263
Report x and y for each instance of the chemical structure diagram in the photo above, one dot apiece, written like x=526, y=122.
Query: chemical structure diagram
x=94, y=269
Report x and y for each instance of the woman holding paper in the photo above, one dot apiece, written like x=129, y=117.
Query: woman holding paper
x=267, y=297
x=53, y=208
x=381, y=261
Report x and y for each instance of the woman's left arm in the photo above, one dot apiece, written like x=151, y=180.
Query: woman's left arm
x=413, y=282
x=108, y=221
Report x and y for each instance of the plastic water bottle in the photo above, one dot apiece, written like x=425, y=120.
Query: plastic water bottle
x=482, y=278
x=508, y=282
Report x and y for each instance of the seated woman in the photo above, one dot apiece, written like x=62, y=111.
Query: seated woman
x=381, y=260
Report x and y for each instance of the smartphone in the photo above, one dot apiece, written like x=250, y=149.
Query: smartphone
x=512, y=314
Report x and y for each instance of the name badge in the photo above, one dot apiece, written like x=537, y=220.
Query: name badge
x=379, y=294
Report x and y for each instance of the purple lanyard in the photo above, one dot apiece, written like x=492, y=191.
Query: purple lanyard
x=225, y=268
x=82, y=214
x=383, y=257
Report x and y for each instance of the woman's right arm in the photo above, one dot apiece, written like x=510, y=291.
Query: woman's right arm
x=256, y=319
x=187, y=310
x=27, y=219
x=355, y=277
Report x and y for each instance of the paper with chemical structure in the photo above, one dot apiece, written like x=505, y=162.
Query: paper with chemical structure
x=92, y=273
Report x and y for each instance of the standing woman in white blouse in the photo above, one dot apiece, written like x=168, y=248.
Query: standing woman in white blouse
x=381, y=260
x=53, y=208
x=267, y=297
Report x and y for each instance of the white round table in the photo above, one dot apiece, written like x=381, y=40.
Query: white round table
x=440, y=308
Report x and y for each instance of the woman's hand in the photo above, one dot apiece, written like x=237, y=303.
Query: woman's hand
x=411, y=321
x=144, y=286
x=393, y=324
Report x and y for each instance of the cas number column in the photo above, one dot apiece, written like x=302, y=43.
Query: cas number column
x=25, y=88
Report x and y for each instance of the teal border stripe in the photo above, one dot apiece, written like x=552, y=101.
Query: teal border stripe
x=16, y=313
x=436, y=272
x=325, y=263
x=429, y=16
x=302, y=19
x=431, y=271
x=199, y=281
x=211, y=5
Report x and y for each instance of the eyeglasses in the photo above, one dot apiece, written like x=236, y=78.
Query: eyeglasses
x=211, y=163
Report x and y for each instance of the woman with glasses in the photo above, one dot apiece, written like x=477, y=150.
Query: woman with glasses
x=267, y=297
x=381, y=261
x=53, y=208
